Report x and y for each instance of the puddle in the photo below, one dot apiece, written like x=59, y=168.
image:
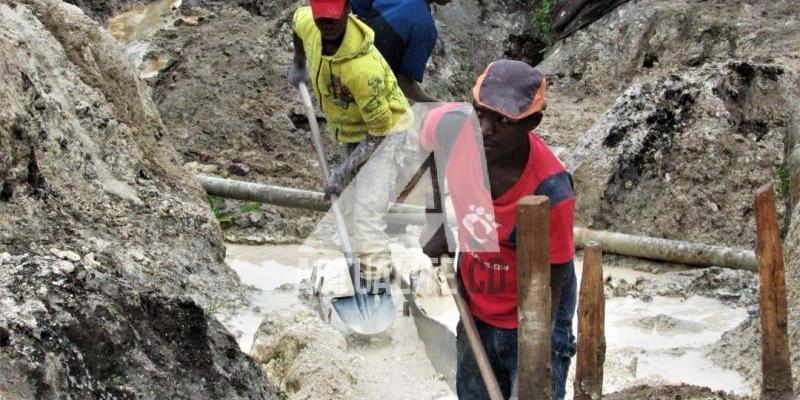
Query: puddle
x=134, y=28
x=667, y=322
x=275, y=289
x=693, y=368
x=663, y=340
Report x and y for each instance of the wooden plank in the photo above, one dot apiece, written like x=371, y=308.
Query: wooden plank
x=533, y=292
x=775, y=364
x=591, y=327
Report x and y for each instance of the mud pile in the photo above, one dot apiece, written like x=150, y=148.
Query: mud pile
x=85, y=169
x=680, y=157
x=306, y=357
x=683, y=392
x=70, y=330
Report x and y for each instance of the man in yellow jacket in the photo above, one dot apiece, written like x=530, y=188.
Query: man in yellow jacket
x=364, y=108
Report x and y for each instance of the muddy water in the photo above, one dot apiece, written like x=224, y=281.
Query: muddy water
x=663, y=340
x=135, y=27
x=655, y=342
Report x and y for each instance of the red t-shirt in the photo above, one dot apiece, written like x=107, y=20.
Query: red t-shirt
x=487, y=241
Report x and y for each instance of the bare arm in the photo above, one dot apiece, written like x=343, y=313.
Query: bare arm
x=297, y=72
x=437, y=244
x=412, y=90
x=299, y=51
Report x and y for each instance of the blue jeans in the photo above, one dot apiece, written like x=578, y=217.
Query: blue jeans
x=501, y=348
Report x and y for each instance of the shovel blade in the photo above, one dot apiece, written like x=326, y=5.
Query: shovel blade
x=366, y=314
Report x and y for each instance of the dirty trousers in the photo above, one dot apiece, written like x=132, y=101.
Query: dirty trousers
x=501, y=349
x=365, y=204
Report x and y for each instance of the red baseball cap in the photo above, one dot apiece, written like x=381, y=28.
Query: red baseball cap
x=327, y=8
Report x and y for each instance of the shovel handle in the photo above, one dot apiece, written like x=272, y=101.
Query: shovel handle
x=316, y=138
x=341, y=228
x=473, y=337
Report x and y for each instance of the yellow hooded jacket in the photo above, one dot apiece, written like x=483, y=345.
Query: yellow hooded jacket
x=355, y=87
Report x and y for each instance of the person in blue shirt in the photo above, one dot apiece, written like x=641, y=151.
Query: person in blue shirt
x=405, y=34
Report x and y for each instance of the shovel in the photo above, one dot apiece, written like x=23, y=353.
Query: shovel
x=362, y=312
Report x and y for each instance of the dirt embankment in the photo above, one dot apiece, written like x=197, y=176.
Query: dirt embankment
x=792, y=245
x=107, y=244
x=688, y=105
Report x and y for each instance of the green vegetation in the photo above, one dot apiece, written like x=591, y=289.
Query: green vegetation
x=250, y=207
x=211, y=308
x=782, y=180
x=225, y=218
x=541, y=19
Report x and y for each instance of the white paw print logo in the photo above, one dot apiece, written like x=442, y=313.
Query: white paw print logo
x=478, y=215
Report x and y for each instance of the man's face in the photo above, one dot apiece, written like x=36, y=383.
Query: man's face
x=332, y=29
x=501, y=136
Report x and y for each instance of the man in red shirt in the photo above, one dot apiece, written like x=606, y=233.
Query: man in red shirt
x=508, y=102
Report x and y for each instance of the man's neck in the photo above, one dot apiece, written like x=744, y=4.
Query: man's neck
x=505, y=172
x=330, y=47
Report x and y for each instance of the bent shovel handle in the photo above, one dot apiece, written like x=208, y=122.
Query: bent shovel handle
x=473, y=337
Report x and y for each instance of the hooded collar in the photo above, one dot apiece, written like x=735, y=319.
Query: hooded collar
x=357, y=39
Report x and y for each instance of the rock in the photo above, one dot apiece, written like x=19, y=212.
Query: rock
x=256, y=219
x=63, y=267
x=198, y=168
x=65, y=255
x=240, y=169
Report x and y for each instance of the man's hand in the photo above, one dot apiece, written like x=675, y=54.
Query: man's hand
x=297, y=75
x=351, y=164
x=335, y=183
x=298, y=72
x=436, y=245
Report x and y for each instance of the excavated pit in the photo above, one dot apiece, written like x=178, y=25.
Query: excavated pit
x=661, y=329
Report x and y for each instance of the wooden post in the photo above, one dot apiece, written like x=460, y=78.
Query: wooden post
x=775, y=364
x=533, y=292
x=591, y=327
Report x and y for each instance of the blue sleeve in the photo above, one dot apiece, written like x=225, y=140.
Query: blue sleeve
x=419, y=46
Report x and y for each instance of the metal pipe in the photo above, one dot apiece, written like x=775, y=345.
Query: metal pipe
x=676, y=251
